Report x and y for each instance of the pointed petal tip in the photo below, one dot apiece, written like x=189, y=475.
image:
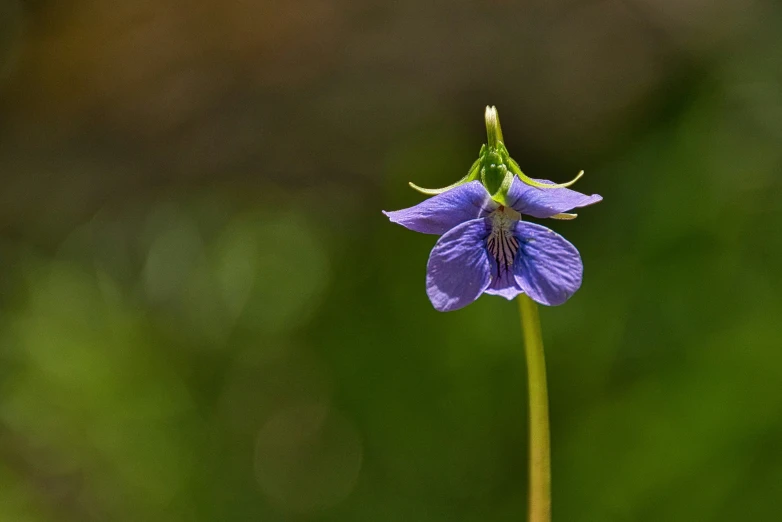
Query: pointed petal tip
x=442, y=212
x=591, y=200
x=547, y=203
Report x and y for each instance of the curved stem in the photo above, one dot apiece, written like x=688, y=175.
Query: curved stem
x=539, y=439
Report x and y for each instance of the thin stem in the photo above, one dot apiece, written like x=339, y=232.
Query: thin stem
x=539, y=439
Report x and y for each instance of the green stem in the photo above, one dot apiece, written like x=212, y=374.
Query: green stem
x=539, y=440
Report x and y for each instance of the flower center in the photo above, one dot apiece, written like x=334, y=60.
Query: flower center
x=501, y=243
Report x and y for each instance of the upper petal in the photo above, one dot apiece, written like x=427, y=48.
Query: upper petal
x=544, y=203
x=459, y=269
x=548, y=268
x=439, y=214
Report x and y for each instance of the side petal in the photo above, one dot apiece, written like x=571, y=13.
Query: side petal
x=547, y=267
x=459, y=270
x=439, y=214
x=544, y=203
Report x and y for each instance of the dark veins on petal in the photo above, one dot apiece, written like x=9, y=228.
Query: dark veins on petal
x=501, y=244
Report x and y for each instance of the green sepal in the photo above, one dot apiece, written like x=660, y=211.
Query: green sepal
x=472, y=175
x=493, y=176
x=501, y=195
x=529, y=181
x=496, y=169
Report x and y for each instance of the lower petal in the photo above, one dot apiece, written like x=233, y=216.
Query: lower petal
x=548, y=268
x=504, y=285
x=459, y=269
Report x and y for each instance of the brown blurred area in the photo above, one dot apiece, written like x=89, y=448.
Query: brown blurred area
x=137, y=96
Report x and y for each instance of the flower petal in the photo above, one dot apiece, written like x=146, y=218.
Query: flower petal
x=544, y=203
x=504, y=286
x=459, y=269
x=547, y=268
x=439, y=214
x=503, y=281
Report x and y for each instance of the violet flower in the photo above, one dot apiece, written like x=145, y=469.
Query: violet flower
x=485, y=247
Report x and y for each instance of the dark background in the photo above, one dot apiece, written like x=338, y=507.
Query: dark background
x=205, y=317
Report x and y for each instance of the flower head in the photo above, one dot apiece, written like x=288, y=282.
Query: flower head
x=485, y=247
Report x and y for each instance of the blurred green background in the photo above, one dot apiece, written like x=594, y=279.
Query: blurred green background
x=205, y=317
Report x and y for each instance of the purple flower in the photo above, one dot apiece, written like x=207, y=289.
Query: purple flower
x=486, y=247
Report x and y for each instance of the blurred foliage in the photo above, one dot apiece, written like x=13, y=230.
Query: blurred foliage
x=204, y=316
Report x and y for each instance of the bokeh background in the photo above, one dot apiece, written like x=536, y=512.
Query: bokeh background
x=205, y=317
